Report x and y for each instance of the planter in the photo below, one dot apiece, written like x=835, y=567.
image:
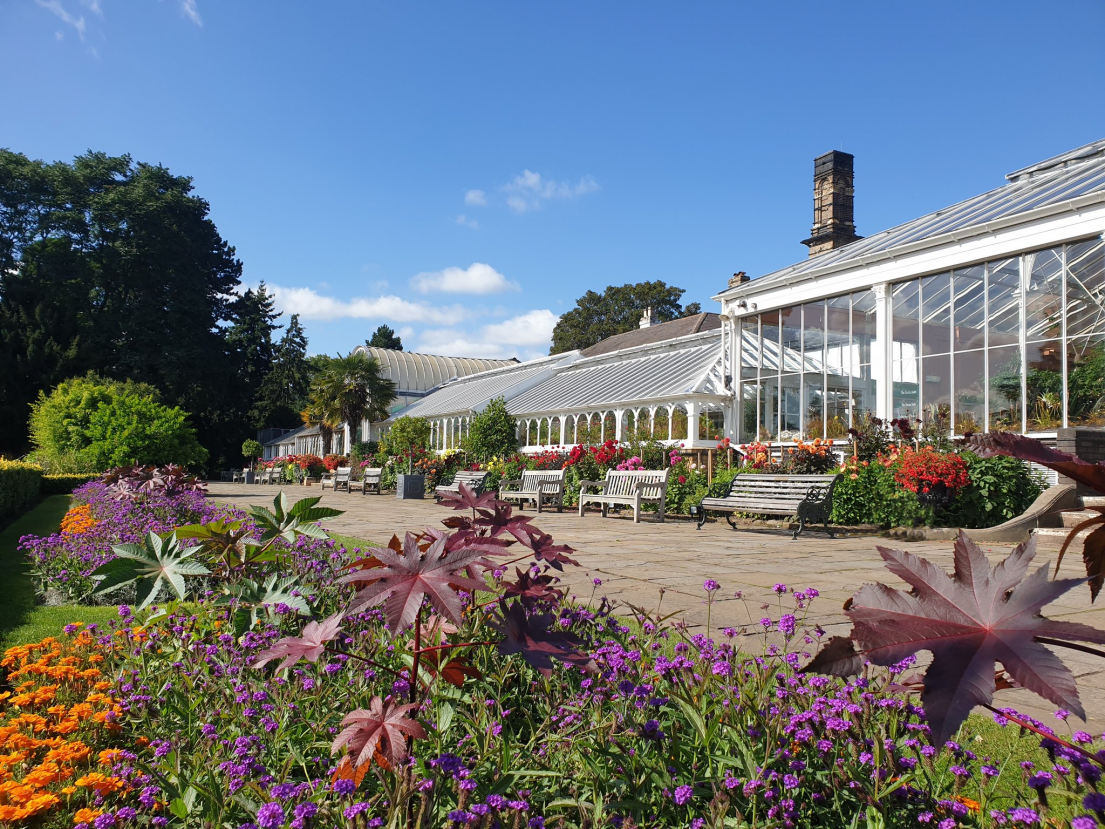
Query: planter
x=249, y=477
x=410, y=487
x=938, y=496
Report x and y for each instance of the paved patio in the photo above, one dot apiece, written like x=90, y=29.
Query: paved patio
x=636, y=561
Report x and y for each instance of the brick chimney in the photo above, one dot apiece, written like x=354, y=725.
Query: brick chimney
x=834, y=222
x=739, y=278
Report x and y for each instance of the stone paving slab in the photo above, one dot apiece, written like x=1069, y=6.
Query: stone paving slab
x=636, y=561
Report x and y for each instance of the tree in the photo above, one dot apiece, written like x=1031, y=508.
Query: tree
x=113, y=265
x=250, y=341
x=616, y=310
x=407, y=433
x=283, y=393
x=384, y=337
x=322, y=414
x=353, y=387
x=493, y=433
x=88, y=424
x=252, y=450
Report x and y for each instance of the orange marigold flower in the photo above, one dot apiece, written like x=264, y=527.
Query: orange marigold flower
x=86, y=815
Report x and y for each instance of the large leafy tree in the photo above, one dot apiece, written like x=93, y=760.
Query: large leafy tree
x=385, y=337
x=493, y=433
x=283, y=393
x=115, y=265
x=353, y=386
x=616, y=310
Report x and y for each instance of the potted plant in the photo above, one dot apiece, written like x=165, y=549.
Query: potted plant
x=411, y=484
x=252, y=451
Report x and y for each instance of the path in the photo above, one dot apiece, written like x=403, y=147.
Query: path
x=634, y=561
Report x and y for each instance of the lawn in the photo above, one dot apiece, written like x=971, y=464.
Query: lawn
x=21, y=620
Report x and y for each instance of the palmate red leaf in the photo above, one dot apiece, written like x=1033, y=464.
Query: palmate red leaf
x=544, y=549
x=1029, y=449
x=466, y=498
x=969, y=621
x=502, y=519
x=406, y=579
x=383, y=727
x=1093, y=556
x=531, y=588
x=531, y=635
x=309, y=645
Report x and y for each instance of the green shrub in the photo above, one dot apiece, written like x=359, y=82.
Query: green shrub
x=88, y=424
x=252, y=450
x=493, y=433
x=407, y=433
x=19, y=486
x=64, y=484
x=1001, y=488
x=868, y=494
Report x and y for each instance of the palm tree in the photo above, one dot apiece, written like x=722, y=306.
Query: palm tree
x=354, y=388
x=319, y=413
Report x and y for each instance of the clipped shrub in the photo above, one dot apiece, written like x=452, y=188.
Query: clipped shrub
x=492, y=433
x=19, y=486
x=64, y=484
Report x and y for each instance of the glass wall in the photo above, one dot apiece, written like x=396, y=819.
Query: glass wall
x=1014, y=344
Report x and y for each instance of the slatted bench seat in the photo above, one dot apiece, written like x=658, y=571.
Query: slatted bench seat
x=473, y=480
x=809, y=497
x=338, y=479
x=537, y=485
x=632, y=488
x=370, y=479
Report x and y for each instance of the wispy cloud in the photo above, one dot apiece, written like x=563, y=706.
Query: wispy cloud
x=62, y=14
x=477, y=198
x=529, y=190
x=525, y=336
x=312, y=305
x=477, y=278
x=464, y=221
x=189, y=10
x=93, y=6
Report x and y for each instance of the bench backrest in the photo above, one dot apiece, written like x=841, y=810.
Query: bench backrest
x=532, y=478
x=342, y=473
x=776, y=491
x=372, y=473
x=624, y=482
x=470, y=478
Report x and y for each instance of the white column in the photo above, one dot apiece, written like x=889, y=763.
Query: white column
x=881, y=356
x=347, y=433
x=692, y=422
x=618, y=414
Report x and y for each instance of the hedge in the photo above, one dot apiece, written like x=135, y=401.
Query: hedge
x=19, y=486
x=64, y=484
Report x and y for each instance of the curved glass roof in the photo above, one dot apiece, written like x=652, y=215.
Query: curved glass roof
x=411, y=371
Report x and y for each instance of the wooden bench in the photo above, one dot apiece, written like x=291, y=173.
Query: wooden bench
x=809, y=497
x=268, y=476
x=473, y=480
x=370, y=478
x=535, y=485
x=338, y=479
x=631, y=488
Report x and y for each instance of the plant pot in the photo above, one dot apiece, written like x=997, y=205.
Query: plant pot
x=938, y=496
x=410, y=487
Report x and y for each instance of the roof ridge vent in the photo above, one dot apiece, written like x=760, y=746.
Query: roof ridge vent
x=1094, y=151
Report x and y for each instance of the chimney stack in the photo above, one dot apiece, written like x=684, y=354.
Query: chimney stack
x=739, y=278
x=834, y=224
x=646, y=318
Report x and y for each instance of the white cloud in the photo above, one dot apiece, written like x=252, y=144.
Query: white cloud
x=475, y=197
x=62, y=14
x=93, y=6
x=526, y=336
x=189, y=10
x=477, y=278
x=464, y=221
x=530, y=190
x=309, y=304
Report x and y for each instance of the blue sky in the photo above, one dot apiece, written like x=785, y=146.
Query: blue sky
x=464, y=171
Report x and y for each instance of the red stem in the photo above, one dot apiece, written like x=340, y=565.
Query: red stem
x=366, y=660
x=1030, y=727
x=417, y=652
x=449, y=647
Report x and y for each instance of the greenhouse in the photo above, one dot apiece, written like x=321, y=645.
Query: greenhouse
x=989, y=314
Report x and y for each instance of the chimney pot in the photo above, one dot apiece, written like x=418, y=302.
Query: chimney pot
x=834, y=223
x=739, y=278
x=646, y=318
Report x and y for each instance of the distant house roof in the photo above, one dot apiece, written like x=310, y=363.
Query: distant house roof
x=411, y=371
x=659, y=332
x=289, y=437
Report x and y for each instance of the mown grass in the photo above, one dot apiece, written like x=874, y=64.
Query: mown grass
x=21, y=619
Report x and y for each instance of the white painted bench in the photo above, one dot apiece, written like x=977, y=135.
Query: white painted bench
x=370, y=479
x=631, y=488
x=473, y=480
x=537, y=485
x=338, y=479
x=809, y=497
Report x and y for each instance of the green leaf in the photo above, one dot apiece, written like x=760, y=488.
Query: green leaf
x=159, y=559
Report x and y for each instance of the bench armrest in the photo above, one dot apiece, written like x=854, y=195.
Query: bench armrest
x=640, y=486
x=600, y=484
